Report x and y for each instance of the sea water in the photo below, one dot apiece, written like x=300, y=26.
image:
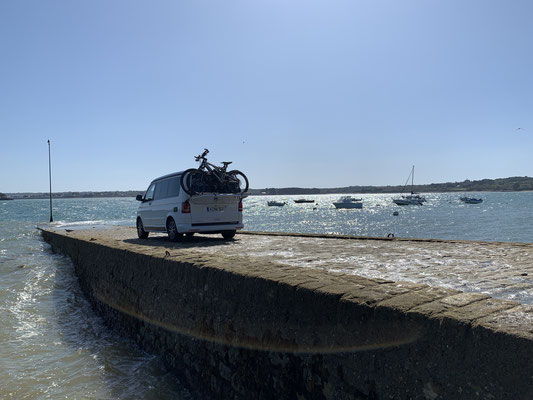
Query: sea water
x=504, y=217
x=54, y=346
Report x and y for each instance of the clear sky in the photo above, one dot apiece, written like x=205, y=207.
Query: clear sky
x=295, y=93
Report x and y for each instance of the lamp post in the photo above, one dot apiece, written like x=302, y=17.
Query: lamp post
x=50, y=179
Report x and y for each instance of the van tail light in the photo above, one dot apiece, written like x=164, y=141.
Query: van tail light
x=185, y=207
x=240, y=205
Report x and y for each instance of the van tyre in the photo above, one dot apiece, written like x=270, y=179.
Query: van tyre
x=172, y=230
x=140, y=230
x=228, y=235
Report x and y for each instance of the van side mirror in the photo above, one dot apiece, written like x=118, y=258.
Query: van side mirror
x=139, y=197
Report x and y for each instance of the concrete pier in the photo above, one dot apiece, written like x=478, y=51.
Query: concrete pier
x=278, y=316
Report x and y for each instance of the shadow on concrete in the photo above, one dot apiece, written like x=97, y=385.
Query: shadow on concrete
x=184, y=243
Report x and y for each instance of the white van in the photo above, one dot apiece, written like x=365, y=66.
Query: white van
x=166, y=207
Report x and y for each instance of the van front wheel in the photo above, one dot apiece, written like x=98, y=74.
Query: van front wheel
x=228, y=234
x=140, y=230
x=172, y=230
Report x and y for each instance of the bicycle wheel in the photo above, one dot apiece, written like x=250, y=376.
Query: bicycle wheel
x=237, y=181
x=191, y=181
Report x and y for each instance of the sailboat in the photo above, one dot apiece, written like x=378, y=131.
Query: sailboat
x=410, y=199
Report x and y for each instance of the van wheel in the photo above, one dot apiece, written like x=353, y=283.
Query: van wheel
x=140, y=230
x=228, y=234
x=189, y=235
x=172, y=230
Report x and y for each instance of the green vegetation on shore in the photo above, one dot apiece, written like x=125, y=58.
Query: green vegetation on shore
x=513, y=184
x=75, y=195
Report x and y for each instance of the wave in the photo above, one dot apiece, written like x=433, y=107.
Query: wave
x=99, y=223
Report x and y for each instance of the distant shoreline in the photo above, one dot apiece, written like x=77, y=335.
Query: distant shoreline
x=73, y=195
x=512, y=184
x=47, y=196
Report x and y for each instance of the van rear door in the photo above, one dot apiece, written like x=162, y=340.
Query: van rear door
x=215, y=209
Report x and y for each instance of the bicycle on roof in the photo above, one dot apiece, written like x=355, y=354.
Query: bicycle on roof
x=210, y=178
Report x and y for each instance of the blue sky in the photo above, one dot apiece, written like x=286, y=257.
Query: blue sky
x=295, y=93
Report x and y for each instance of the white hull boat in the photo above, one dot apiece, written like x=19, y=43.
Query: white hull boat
x=410, y=199
x=348, y=202
x=407, y=202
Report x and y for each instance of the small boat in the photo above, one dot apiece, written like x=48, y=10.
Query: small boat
x=274, y=203
x=410, y=199
x=471, y=200
x=348, y=202
x=303, y=201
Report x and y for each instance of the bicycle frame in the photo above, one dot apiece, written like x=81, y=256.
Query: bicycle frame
x=216, y=171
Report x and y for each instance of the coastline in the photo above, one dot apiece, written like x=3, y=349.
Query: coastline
x=73, y=195
x=504, y=185
x=251, y=192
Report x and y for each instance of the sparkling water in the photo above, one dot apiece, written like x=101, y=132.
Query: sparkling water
x=500, y=217
x=53, y=345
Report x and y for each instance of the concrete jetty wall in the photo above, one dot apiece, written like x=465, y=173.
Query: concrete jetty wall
x=230, y=327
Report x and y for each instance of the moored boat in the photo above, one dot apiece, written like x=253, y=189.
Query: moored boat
x=298, y=201
x=410, y=199
x=471, y=200
x=274, y=203
x=348, y=202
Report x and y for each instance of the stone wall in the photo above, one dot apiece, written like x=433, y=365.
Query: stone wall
x=232, y=328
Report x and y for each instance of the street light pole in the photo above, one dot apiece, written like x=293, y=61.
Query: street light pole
x=50, y=178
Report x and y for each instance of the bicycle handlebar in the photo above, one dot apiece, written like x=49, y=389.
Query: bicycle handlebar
x=201, y=156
